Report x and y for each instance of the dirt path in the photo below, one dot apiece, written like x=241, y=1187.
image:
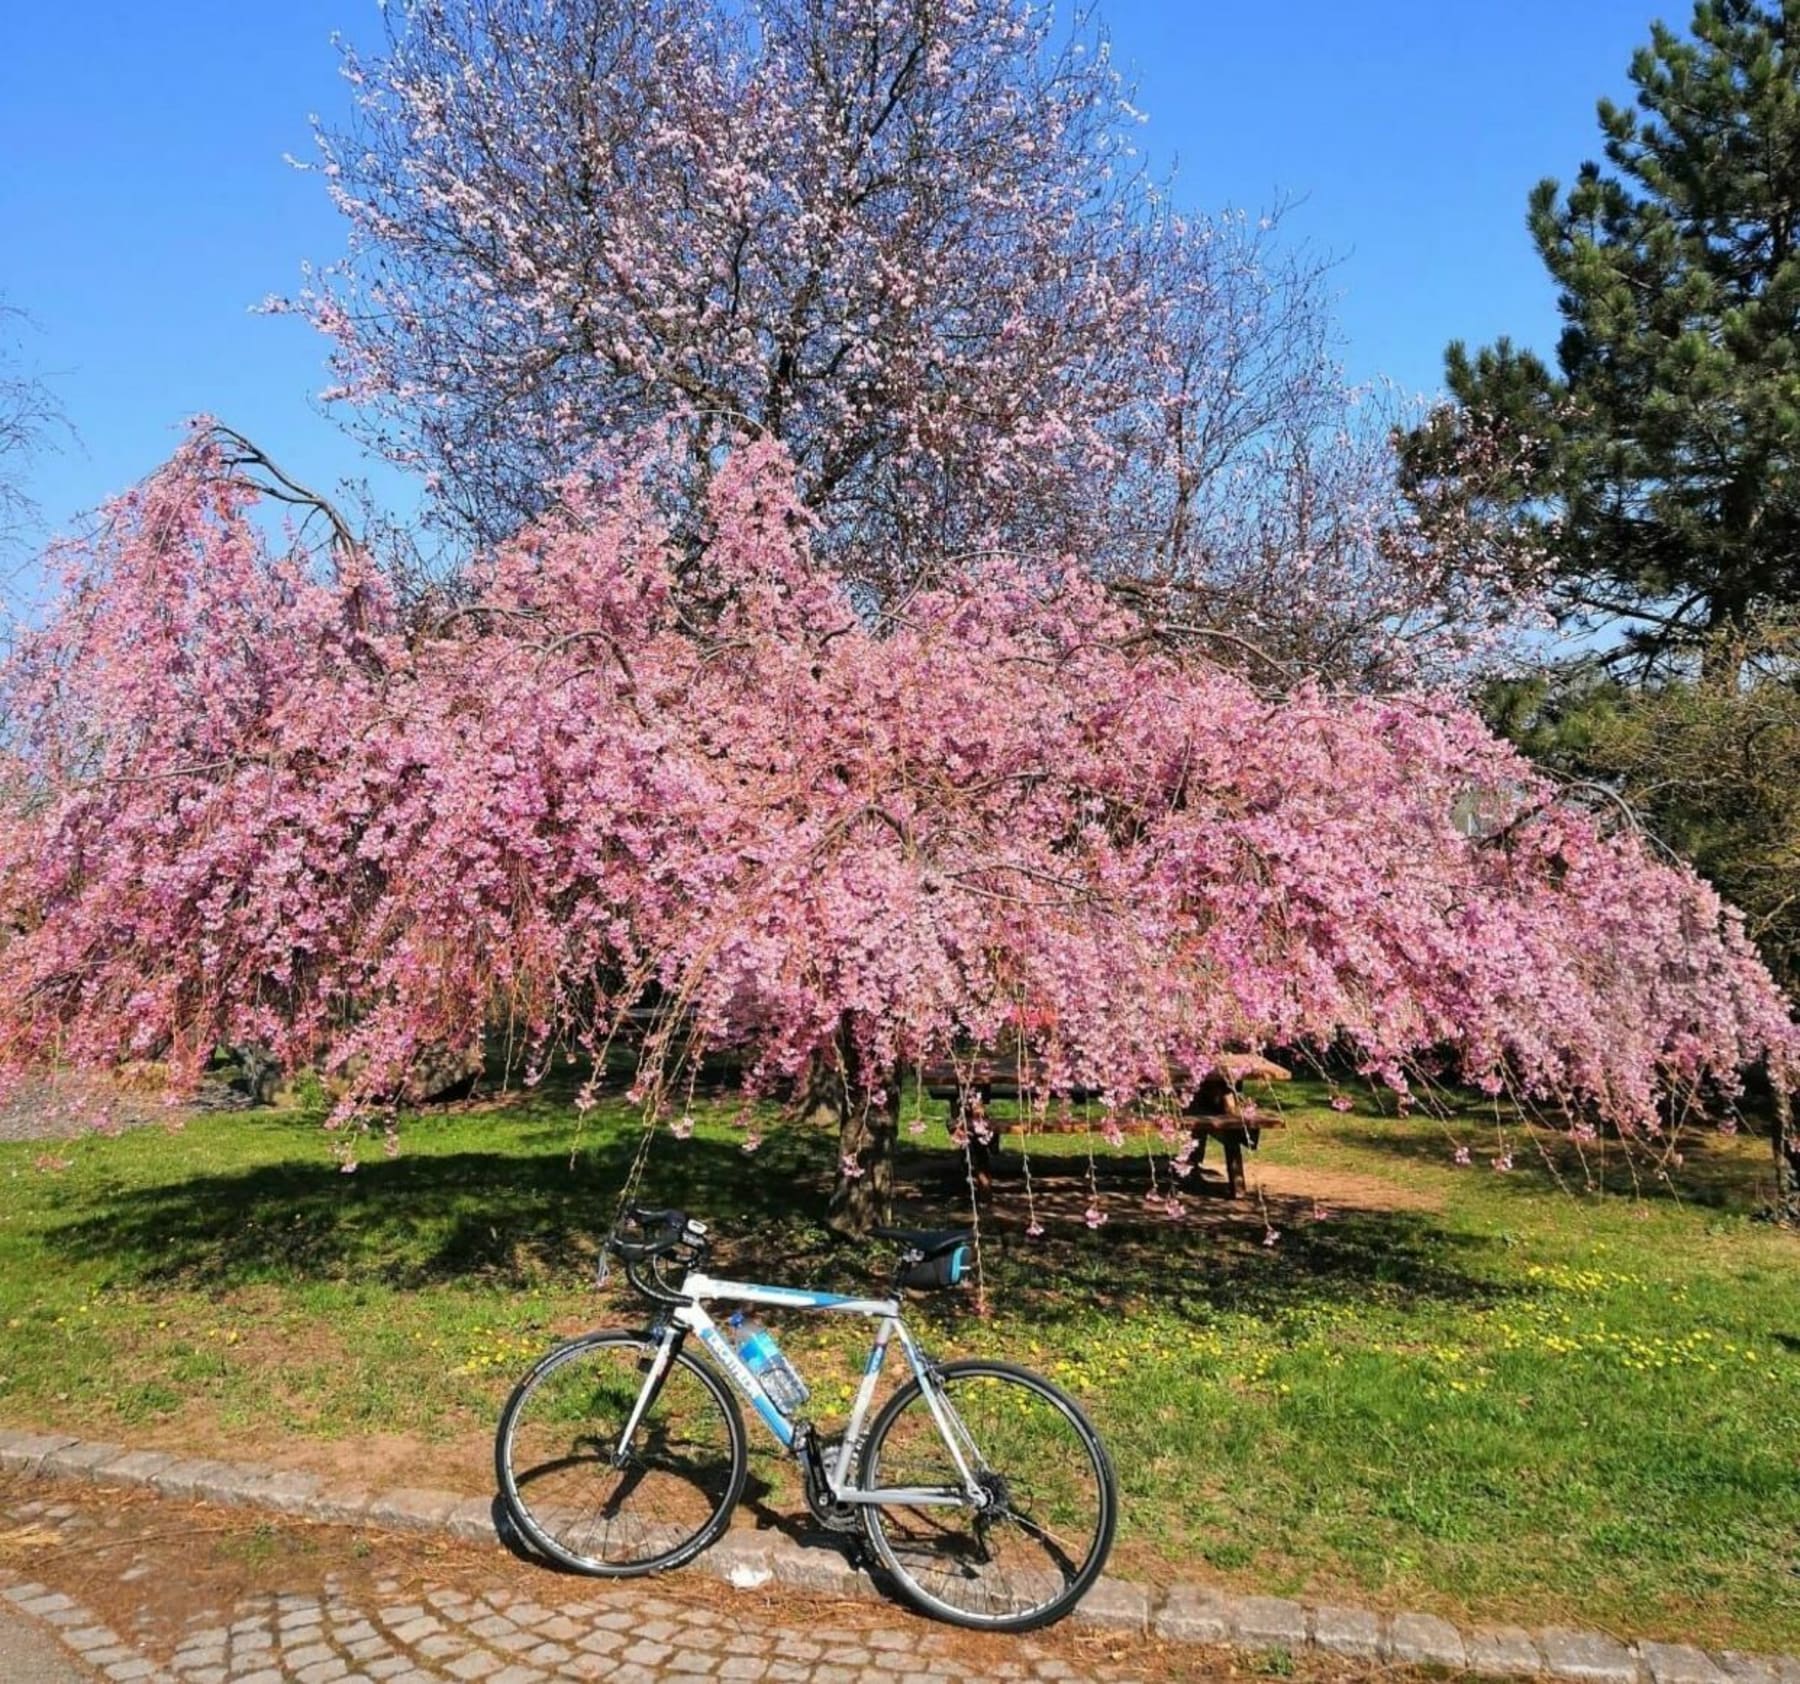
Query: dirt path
x=41, y=1109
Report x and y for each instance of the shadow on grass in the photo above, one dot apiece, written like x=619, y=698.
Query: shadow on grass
x=1217, y=1259
x=1717, y=1171
x=528, y=1211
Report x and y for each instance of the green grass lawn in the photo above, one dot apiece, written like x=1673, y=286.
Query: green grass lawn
x=1502, y=1396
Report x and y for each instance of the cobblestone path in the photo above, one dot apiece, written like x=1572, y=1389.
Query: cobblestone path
x=142, y=1590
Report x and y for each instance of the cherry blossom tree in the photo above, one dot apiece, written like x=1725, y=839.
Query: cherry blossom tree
x=909, y=240
x=893, y=234
x=248, y=798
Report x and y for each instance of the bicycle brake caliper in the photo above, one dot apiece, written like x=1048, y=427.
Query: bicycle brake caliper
x=658, y=1336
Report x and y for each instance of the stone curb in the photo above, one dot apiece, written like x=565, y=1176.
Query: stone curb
x=1181, y=1613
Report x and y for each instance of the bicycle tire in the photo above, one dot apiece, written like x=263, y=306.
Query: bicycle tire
x=567, y=1499
x=907, y=1540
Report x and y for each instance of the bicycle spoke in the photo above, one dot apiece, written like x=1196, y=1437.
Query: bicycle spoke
x=673, y=1486
x=1067, y=1553
x=1029, y=1553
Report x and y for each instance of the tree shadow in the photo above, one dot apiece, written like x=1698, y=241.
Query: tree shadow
x=512, y=1216
x=530, y=1210
x=1278, y=1257
x=1717, y=1171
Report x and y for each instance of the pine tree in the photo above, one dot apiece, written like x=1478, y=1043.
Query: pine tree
x=1665, y=462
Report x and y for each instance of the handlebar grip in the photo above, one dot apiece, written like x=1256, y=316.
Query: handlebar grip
x=665, y=1231
x=646, y=1217
x=669, y=1234
x=661, y=1230
x=648, y=1283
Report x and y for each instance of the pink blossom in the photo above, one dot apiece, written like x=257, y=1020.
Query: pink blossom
x=253, y=799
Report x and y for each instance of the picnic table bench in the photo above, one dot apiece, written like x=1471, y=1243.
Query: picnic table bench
x=1215, y=1113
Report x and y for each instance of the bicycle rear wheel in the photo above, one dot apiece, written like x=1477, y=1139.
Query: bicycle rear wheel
x=662, y=1503
x=1030, y=1553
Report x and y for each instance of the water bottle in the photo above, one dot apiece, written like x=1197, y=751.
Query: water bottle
x=757, y=1350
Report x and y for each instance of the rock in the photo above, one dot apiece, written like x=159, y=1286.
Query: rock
x=1678, y=1663
x=1347, y=1631
x=1503, y=1652
x=1588, y=1656
x=1269, y=1622
x=237, y=1079
x=442, y=1074
x=1115, y=1604
x=1194, y=1614
x=1425, y=1640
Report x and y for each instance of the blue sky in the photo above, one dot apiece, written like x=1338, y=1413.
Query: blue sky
x=145, y=207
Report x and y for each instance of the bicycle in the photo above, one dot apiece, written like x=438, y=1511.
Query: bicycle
x=982, y=1490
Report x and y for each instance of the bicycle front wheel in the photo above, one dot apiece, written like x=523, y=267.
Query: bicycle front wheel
x=587, y=1506
x=1039, y=1539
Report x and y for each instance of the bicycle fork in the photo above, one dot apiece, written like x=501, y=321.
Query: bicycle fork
x=668, y=1336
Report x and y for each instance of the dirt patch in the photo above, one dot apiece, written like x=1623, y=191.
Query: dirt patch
x=1282, y=1194
x=386, y=1461
x=1338, y=1189
x=69, y=1106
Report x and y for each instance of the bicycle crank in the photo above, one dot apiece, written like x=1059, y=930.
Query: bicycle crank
x=816, y=1456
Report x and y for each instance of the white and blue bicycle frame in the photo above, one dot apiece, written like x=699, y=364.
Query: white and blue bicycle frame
x=691, y=1317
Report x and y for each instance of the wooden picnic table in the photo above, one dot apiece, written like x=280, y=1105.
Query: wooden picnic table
x=1215, y=1113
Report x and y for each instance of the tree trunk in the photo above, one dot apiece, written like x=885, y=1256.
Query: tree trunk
x=819, y=1098
x=839, y=1089
x=864, y=1194
x=1786, y=1143
x=1722, y=653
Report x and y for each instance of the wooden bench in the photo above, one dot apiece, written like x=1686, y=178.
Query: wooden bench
x=1216, y=1112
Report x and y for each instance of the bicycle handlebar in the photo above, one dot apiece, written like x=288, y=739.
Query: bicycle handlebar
x=667, y=1234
